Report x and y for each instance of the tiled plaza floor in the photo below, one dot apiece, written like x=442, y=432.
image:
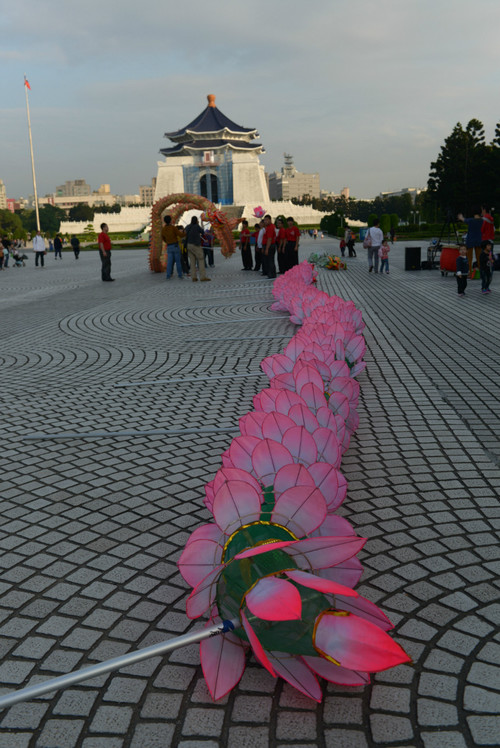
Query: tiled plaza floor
x=91, y=529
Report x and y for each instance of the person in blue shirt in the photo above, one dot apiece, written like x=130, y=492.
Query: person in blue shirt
x=474, y=237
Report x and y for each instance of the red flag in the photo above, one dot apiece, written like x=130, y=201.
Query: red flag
x=26, y=83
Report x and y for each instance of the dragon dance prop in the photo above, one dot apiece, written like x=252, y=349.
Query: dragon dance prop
x=277, y=557
x=222, y=226
x=330, y=262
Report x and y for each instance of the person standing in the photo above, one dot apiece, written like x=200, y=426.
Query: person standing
x=488, y=226
x=6, y=245
x=259, y=236
x=39, y=248
x=57, y=247
x=281, y=245
x=376, y=237
x=462, y=271
x=383, y=254
x=246, y=252
x=269, y=247
x=207, y=242
x=75, y=243
x=171, y=237
x=474, y=237
x=485, y=264
x=105, y=253
x=292, y=243
x=194, y=232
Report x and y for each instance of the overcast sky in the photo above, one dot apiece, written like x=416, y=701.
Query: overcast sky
x=362, y=92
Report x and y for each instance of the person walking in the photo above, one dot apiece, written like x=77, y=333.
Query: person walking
x=105, y=253
x=194, y=232
x=375, y=238
x=57, y=247
x=75, y=243
x=39, y=248
x=171, y=237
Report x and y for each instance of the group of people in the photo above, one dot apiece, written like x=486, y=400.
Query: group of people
x=270, y=242
x=479, y=241
x=188, y=249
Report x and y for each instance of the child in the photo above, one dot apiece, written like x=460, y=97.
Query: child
x=462, y=271
x=342, y=247
x=485, y=263
x=383, y=253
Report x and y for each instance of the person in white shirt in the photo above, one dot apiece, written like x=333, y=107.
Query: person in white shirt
x=39, y=248
x=376, y=235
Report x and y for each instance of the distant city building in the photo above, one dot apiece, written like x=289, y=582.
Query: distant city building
x=147, y=192
x=291, y=183
x=75, y=188
x=412, y=191
x=216, y=158
x=3, y=196
x=344, y=192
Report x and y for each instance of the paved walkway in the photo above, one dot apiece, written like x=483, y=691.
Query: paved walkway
x=90, y=530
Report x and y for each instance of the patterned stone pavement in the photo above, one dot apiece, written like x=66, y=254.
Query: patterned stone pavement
x=91, y=529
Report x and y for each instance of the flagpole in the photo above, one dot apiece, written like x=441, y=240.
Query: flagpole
x=26, y=86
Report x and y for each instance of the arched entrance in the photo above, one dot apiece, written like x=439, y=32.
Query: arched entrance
x=222, y=226
x=209, y=187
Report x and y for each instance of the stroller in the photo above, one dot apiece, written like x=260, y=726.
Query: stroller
x=19, y=259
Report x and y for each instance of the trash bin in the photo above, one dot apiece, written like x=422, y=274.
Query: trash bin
x=412, y=258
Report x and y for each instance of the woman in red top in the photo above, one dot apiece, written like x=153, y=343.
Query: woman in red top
x=246, y=252
x=280, y=245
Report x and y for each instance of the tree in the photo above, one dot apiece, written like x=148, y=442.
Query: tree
x=457, y=178
x=11, y=225
x=81, y=212
x=385, y=223
x=89, y=234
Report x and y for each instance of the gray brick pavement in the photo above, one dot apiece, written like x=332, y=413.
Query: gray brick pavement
x=91, y=531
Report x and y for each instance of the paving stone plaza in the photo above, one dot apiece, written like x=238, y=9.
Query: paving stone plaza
x=91, y=529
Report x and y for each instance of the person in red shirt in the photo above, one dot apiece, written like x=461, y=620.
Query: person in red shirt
x=488, y=227
x=269, y=247
x=292, y=244
x=105, y=252
x=280, y=245
x=246, y=252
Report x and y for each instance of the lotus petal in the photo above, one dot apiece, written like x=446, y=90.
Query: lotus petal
x=223, y=662
x=205, y=532
x=304, y=374
x=335, y=525
x=301, y=445
x=198, y=559
x=321, y=584
x=251, y=423
x=232, y=473
x=321, y=553
x=267, y=458
x=283, y=382
x=266, y=400
x=366, y=609
x=330, y=482
x=301, y=509
x=335, y=673
x=203, y=595
x=291, y=475
x=355, y=348
x=347, y=572
x=313, y=396
x=326, y=418
x=339, y=403
x=240, y=451
x=267, y=548
x=287, y=400
x=275, y=425
x=274, y=599
x=235, y=504
x=356, y=643
x=358, y=368
x=328, y=447
x=256, y=645
x=302, y=416
x=295, y=671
